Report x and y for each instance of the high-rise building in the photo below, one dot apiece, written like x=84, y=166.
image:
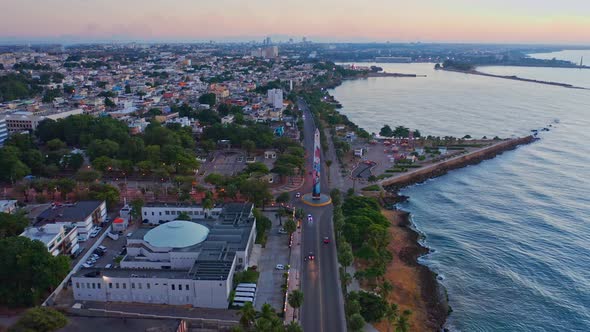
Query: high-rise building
x=275, y=98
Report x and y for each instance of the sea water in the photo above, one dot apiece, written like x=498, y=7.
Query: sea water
x=511, y=236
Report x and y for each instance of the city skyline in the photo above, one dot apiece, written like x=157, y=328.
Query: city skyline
x=503, y=21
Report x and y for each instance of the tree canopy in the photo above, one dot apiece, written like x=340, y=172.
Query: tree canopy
x=28, y=271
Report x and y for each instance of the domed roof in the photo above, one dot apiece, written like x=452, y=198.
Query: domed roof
x=177, y=234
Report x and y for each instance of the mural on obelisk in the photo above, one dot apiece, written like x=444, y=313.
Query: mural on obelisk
x=316, y=165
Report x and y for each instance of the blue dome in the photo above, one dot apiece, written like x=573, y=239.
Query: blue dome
x=177, y=234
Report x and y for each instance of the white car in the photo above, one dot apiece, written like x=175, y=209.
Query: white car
x=309, y=217
x=86, y=265
x=297, y=195
x=280, y=267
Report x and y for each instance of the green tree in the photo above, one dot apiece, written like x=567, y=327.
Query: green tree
x=11, y=167
x=207, y=98
x=295, y=299
x=12, y=224
x=403, y=322
x=401, y=131
x=65, y=186
x=283, y=198
x=109, y=103
x=293, y=327
x=104, y=192
x=40, y=319
x=372, y=306
x=386, y=131
x=136, y=206
x=247, y=315
x=249, y=146
x=356, y=322
x=56, y=144
x=87, y=175
x=345, y=256
x=290, y=226
x=391, y=314
x=28, y=271
x=257, y=167
x=183, y=216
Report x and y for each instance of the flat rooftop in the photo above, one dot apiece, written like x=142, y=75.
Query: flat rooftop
x=69, y=212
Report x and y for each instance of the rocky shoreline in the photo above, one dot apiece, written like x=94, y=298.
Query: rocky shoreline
x=433, y=294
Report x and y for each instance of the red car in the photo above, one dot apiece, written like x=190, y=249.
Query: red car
x=326, y=240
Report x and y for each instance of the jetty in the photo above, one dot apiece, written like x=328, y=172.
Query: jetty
x=397, y=182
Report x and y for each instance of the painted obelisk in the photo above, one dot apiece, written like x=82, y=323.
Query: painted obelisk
x=315, y=193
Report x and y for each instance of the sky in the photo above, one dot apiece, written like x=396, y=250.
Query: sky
x=488, y=21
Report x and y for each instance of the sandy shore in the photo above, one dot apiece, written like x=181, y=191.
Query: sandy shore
x=415, y=286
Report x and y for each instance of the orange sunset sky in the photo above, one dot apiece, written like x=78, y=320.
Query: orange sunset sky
x=494, y=21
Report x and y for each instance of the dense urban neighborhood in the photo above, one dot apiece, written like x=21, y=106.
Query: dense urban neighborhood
x=179, y=186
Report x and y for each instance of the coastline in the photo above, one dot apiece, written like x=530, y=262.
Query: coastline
x=434, y=299
x=415, y=285
x=515, y=78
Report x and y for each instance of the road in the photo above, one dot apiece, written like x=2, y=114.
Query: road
x=323, y=306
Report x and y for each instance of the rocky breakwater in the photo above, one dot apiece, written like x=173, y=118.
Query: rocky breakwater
x=394, y=184
x=418, y=287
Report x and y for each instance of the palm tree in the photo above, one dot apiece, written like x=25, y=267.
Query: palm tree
x=295, y=300
x=345, y=279
x=293, y=327
x=247, y=315
x=328, y=164
x=403, y=324
x=391, y=314
x=386, y=288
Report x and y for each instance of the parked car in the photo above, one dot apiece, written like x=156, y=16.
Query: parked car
x=108, y=266
x=282, y=231
x=86, y=265
x=280, y=267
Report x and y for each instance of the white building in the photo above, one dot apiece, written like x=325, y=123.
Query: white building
x=3, y=130
x=25, y=121
x=179, y=262
x=275, y=98
x=227, y=119
x=84, y=215
x=57, y=238
x=8, y=206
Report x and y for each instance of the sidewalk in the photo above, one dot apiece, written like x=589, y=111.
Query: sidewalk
x=294, y=281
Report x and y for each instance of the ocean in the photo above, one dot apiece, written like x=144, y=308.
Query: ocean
x=510, y=237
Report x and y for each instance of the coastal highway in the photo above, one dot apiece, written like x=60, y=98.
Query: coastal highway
x=323, y=306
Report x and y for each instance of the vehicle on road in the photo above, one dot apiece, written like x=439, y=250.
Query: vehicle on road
x=311, y=256
x=298, y=195
x=326, y=240
x=309, y=217
x=283, y=231
x=280, y=267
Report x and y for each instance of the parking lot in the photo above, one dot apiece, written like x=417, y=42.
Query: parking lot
x=270, y=280
x=113, y=248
